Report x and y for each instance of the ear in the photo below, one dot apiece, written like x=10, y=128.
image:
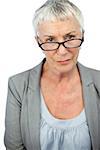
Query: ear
x=83, y=31
x=36, y=38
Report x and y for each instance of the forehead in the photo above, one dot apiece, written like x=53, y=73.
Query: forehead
x=58, y=27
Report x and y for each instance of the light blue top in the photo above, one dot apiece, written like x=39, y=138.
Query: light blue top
x=58, y=134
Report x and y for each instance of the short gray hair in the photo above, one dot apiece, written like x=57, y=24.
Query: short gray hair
x=53, y=10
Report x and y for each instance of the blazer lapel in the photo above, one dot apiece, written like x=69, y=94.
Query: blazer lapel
x=90, y=102
x=33, y=103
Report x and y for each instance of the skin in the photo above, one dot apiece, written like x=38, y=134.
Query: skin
x=60, y=71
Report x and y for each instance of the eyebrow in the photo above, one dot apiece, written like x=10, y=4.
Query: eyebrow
x=67, y=34
x=70, y=33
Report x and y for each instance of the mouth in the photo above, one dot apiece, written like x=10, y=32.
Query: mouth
x=64, y=61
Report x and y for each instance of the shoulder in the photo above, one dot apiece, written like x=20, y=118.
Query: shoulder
x=19, y=83
x=24, y=76
x=92, y=73
x=20, y=77
x=89, y=69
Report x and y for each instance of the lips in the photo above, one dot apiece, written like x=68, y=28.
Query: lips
x=64, y=61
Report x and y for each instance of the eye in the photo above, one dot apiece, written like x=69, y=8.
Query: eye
x=50, y=39
x=69, y=37
x=72, y=36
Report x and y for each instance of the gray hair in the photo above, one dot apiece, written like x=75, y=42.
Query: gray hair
x=53, y=10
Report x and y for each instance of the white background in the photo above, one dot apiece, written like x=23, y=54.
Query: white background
x=19, y=51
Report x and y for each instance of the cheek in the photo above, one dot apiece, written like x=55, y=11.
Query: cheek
x=75, y=53
x=49, y=55
x=75, y=56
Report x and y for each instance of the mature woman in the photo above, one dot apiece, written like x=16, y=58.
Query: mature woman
x=55, y=105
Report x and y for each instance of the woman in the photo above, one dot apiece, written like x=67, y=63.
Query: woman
x=55, y=105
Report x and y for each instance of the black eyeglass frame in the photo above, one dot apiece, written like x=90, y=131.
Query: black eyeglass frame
x=61, y=43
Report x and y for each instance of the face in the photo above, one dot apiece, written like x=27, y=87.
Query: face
x=63, y=59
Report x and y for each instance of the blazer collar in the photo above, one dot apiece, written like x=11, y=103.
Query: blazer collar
x=35, y=75
x=90, y=102
x=85, y=75
x=89, y=97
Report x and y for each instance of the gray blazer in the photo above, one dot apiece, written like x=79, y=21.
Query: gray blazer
x=23, y=108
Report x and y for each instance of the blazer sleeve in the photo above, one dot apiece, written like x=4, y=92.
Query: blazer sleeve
x=12, y=138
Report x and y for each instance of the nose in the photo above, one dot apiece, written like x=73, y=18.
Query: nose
x=62, y=50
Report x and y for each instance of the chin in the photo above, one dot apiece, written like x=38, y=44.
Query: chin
x=64, y=68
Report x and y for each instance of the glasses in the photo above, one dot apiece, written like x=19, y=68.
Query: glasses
x=50, y=46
